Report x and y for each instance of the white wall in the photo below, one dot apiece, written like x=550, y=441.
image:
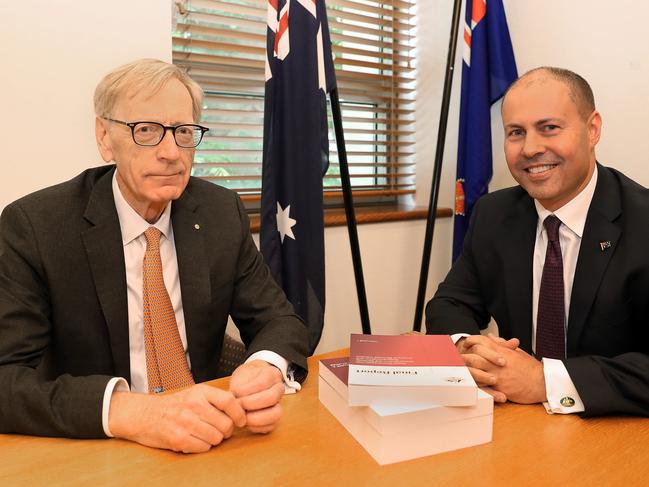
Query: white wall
x=55, y=52
x=432, y=49
x=391, y=254
x=601, y=41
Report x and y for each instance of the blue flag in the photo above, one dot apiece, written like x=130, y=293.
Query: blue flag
x=487, y=71
x=299, y=74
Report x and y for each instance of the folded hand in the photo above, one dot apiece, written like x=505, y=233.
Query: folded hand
x=190, y=420
x=259, y=388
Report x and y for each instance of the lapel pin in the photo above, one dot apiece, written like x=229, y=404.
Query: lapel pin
x=198, y=227
x=605, y=245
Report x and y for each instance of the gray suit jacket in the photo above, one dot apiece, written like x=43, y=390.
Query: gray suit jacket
x=63, y=305
x=608, y=320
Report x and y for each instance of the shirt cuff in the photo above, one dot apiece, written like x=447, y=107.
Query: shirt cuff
x=457, y=336
x=291, y=386
x=559, y=389
x=115, y=384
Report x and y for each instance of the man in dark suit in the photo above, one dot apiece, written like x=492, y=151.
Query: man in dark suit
x=79, y=306
x=559, y=262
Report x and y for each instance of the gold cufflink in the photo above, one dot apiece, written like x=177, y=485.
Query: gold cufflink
x=567, y=402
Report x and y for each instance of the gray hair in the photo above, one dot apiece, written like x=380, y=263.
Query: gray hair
x=149, y=74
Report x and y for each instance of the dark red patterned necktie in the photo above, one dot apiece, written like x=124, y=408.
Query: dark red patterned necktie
x=550, y=321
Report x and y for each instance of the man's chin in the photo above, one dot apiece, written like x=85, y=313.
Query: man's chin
x=167, y=193
x=539, y=190
x=546, y=196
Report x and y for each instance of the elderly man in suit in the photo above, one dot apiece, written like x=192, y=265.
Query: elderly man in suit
x=559, y=262
x=118, y=284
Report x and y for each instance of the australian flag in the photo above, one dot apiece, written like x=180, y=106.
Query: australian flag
x=488, y=69
x=299, y=74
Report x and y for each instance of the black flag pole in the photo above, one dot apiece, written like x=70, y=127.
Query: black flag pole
x=437, y=170
x=349, y=211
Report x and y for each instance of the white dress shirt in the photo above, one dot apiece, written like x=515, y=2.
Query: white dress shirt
x=562, y=396
x=132, y=227
x=560, y=390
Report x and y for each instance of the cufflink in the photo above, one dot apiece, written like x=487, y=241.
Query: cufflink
x=567, y=402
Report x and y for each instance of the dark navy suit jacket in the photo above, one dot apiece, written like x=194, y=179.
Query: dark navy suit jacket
x=608, y=321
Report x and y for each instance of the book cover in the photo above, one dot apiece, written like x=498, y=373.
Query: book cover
x=334, y=371
x=406, y=369
x=392, y=435
x=393, y=418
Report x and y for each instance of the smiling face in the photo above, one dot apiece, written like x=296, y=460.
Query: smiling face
x=549, y=144
x=148, y=177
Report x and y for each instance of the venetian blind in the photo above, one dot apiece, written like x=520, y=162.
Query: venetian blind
x=222, y=44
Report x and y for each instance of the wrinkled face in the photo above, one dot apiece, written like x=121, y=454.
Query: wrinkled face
x=149, y=177
x=549, y=147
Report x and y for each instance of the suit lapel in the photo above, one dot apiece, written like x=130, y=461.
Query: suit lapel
x=103, y=244
x=518, y=257
x=193, y=270
x=593, y=259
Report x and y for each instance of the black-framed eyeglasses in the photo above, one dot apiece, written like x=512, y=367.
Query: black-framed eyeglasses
x=148, y=134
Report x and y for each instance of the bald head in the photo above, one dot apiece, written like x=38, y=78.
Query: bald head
x=580, y=91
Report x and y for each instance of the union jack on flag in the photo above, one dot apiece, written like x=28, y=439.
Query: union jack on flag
x=488, y=69
x=299, y=74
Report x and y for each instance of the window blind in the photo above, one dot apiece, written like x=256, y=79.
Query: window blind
x=222, y=44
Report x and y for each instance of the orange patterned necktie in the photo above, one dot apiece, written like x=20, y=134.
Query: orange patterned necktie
x=166, y=364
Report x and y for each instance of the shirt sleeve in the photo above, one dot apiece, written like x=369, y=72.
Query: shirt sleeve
x=456, y=337
x=291, y=386
x=559, y=389
x=118, y=384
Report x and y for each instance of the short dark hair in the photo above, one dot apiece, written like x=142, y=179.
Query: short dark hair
x=580, y=91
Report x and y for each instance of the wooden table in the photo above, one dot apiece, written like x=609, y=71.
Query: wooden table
x=310, y=448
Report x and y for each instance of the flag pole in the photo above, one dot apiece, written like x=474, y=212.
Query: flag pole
x=437, y=170
x=349, y=211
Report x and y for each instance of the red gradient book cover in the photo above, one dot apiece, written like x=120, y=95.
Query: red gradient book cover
x=400, y=369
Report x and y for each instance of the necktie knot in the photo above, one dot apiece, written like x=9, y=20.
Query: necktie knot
x=552, y=224
x=152, y=235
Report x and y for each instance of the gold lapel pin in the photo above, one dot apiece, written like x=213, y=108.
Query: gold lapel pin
x=197, y=226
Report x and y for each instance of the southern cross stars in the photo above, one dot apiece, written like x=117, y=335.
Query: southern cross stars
x=285, y=222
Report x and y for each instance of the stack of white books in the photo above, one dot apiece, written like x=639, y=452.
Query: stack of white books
x=402, y=420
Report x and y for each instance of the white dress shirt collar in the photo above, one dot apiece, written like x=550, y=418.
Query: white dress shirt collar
x=131, y=223
x=573, y=214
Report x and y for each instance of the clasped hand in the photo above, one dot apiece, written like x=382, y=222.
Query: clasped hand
x=502, y=369
x=201, y=416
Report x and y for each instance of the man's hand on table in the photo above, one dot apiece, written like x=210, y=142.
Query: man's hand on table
x=502, y=369
x=259, y=386
x=195, y=419
x=190, y=420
